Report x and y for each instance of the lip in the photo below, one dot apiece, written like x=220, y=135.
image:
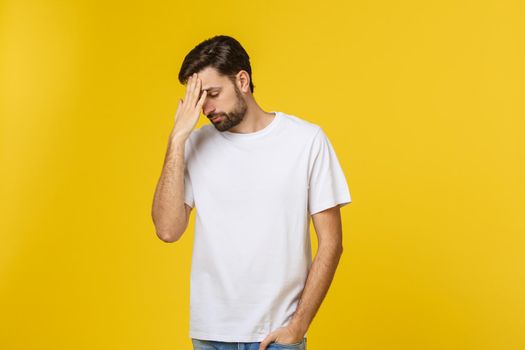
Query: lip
x=216, y=119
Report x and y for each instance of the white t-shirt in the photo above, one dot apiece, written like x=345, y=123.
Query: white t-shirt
x=253, y=195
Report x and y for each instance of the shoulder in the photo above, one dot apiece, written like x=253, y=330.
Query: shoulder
x=300, y=127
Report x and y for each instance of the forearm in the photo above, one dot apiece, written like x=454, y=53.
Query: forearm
x=168, y=211
x=318, y=281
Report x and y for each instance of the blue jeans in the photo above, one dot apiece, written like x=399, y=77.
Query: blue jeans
x=199, y=344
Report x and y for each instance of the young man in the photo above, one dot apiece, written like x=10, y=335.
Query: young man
x=255, y=179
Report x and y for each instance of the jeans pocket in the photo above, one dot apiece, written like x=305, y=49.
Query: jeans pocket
x=299, y=345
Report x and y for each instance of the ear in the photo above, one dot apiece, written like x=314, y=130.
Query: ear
x=243, y=81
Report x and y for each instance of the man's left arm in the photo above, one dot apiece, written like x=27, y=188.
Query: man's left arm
x=328, y=228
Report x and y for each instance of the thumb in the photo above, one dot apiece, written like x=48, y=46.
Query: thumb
x=265, y=343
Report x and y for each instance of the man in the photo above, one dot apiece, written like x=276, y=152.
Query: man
x=255, y=179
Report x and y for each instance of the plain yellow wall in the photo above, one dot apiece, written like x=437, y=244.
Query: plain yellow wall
x=422, y=100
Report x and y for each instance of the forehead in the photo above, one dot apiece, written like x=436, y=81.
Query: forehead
x=211, y=78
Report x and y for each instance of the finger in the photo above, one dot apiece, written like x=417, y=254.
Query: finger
x=188, y=88
x=194, y=83
x=265, y=343
x=201, y=100
x=196, y=90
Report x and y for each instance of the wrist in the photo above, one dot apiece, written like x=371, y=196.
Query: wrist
x=178, y=137
x=298, y=326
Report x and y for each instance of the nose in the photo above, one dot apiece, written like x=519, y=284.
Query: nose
x=207, y=108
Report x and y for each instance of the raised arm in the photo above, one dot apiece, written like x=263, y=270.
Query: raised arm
x=169, y=212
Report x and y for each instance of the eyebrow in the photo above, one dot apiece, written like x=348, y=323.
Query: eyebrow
x=212, y=88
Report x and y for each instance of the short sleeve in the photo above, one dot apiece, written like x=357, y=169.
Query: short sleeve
x=327, y=185
x=188, y=188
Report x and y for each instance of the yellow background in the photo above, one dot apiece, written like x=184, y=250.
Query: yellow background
x=422, y=100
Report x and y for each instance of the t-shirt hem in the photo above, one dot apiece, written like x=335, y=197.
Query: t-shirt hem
x=251, y=338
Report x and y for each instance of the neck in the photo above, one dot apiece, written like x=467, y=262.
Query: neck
x=254, y=120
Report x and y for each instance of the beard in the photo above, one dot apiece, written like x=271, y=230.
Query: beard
x=230, y=119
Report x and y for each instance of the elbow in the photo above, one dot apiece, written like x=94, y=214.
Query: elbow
x=167, y=232
x=168, y=236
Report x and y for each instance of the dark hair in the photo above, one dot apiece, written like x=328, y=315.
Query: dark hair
x=221, y=52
